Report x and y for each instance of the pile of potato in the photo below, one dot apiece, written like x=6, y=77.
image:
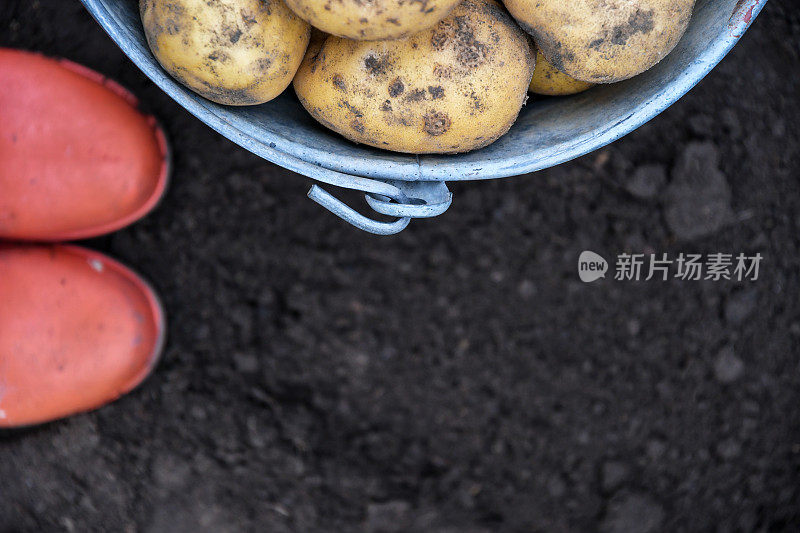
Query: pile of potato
x=413, y=76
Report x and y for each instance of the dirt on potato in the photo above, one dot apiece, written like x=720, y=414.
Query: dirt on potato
x=452, y=89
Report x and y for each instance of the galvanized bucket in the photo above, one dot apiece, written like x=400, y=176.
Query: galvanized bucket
x=547, y=133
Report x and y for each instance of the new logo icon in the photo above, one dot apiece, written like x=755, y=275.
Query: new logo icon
x=591, y=267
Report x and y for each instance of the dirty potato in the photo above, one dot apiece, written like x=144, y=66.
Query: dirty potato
x=454, y=88
x=603, y=41
x=549, y=81
x=234, y=52
x=372, y=20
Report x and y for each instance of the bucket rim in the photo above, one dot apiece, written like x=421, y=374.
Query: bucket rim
x=329, y=167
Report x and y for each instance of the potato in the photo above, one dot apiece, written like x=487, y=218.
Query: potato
x=549, y=81
x=453, y=88
x=234, y=52
x=603, y=41
x=372, y=20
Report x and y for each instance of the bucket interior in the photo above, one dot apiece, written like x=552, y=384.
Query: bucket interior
x=547, y=132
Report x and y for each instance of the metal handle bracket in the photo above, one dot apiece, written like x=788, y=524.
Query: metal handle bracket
x=402, y=199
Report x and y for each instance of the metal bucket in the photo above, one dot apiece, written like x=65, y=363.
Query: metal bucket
x=547, y=132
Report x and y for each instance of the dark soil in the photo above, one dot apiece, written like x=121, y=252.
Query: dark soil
x=458, y=377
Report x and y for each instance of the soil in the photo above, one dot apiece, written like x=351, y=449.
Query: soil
x=458, y=377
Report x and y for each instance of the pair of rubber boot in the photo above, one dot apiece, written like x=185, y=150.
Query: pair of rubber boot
x=77, y=160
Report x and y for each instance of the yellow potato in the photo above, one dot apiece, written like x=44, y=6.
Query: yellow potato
x=453, y=88
x=235, y=52
x=549, y=81
x=372, y=20
x=603, y=41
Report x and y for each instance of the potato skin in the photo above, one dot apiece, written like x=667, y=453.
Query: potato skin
x=234, y=52
x=603, y=41
x=376, y=20
x=549, y=81
x=454, y=88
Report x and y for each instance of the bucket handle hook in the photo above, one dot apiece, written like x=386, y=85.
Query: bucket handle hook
x=401, y=199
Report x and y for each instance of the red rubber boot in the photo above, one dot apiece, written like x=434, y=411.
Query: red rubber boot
x=77, y=158
x=77, y=330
